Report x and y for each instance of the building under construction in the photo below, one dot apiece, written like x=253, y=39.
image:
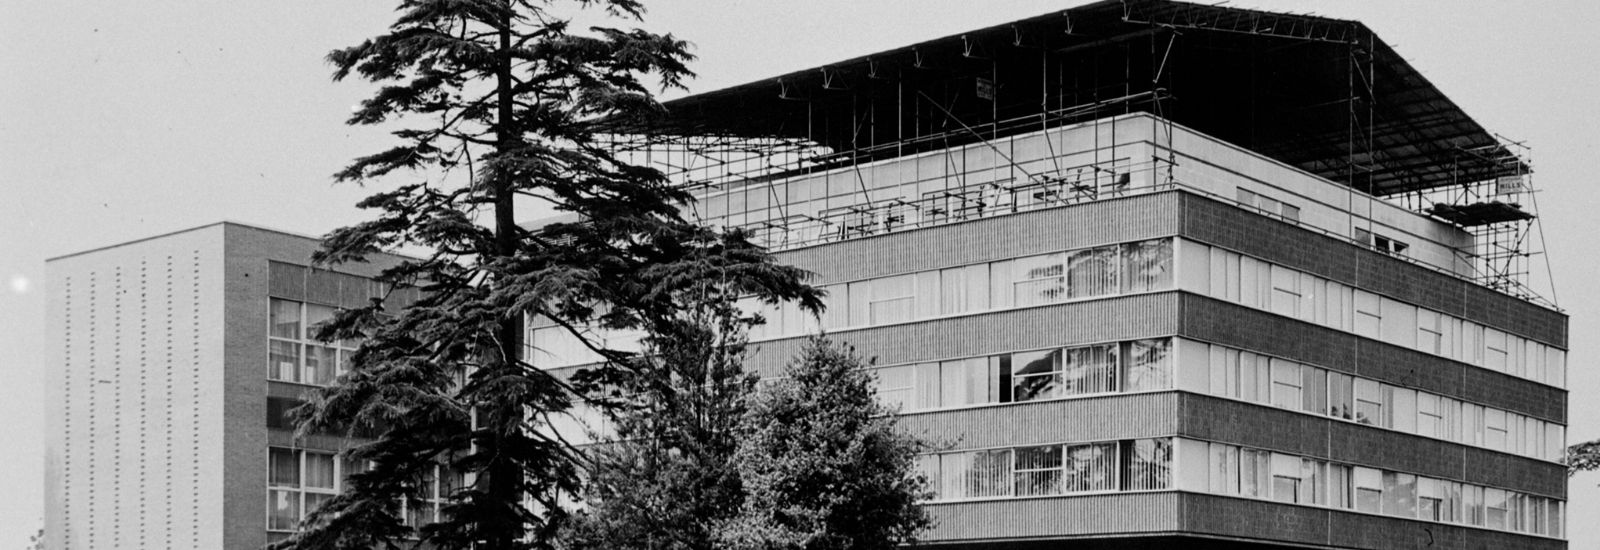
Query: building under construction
x=1160, y=273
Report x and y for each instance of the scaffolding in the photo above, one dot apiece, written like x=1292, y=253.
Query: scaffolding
x=1322, y=95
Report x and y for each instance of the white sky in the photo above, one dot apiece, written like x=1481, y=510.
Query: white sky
x=120, y=120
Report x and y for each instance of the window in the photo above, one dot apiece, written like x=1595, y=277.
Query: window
x=1368, y=490
x=1286, y=381
x=1039, y=280
x=909, y=387
x=298, y=482
x=1147, y=464
x=1430, y=334
x=1289, y=483
x=889, y=300
x=1429, y=417
x=293, y=354
x=1494, y=429
x=1341, y=396
x=1255, y=473
x=1147, y=265
x=1090, y=467
x=1368, y=314
x=1400, y=494
x=1285, y=292
x=1369, y=402
x=1092, y=272
x=1090, y=370
x=1314, y=390
x=977, y=474
x=1224, y=469
x=1148, y=364
x=1038, y=470
x=1036, y=375
x=1496, y=507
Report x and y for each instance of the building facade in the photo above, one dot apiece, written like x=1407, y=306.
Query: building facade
x=176, y=358
x=1151, y=273
x=1157, y=273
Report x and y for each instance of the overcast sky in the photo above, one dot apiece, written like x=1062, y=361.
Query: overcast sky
x=121, y=120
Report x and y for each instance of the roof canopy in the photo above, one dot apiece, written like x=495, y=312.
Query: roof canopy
x=1325, y=95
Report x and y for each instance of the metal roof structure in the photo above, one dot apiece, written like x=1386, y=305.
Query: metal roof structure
x=1321, y=94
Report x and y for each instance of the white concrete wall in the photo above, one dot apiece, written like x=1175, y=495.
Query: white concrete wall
x=134, y=457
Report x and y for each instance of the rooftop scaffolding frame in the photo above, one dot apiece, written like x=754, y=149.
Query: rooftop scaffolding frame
x=1323, y=95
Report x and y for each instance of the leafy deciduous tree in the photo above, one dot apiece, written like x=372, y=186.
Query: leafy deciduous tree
x=823, y=465
x=498, y=99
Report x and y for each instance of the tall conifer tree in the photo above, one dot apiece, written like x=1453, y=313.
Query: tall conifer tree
x=498, y=101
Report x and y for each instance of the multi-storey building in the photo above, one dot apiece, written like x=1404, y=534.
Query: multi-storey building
x=1152, y=273
x=1159, y=273
x=175, y=361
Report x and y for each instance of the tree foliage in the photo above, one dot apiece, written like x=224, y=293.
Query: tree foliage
x=495, y=101
x=1583, y=457
x=823, y=465
x=665, y=477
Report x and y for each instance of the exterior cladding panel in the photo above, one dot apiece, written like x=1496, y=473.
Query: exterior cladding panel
x=1074, y=420
x=1255, y=519
x=1105, y=320
x=1223, y=225
x=1110, y=221
x=134, y=459
x=1241, y=327
x=1099, y=515
x=1234, y=422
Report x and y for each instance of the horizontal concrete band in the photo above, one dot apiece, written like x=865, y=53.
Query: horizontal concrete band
x=1172, y=516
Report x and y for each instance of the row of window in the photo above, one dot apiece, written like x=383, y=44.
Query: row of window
x=1262, y=379
x=1239, y=471
x=1126, y=268
x=1230, y=276
x=294, y=355
x=1042, y=470
x=1123, y=269
x=1139, y=365
x=1019, y=282
x=299, y=481
x=1153, y=364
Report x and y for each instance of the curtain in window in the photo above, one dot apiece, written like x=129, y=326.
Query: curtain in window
x=1091, y=467
x=1038, y=470
x=1091, y=369
x=1092, y=272
x=1149, y=465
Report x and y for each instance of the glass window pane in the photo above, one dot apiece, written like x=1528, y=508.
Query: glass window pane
x=1149, y=366
x=316, y=314
x=1314, y=389
x=285, y=319
x=1092, y=272
x=1039, y=280
x=1036, y=375
x=1149, y=465
x=283, y=510
x=1369, y=402
x=322, y=363
x=1038, y=470
x=989, y=474
x=1341, y=396
x=315, y=500
x=1091, y=369
x=319, y=471
x=1147, y=265
x=283, y=468
x=283, y=360
x=1091, y=467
